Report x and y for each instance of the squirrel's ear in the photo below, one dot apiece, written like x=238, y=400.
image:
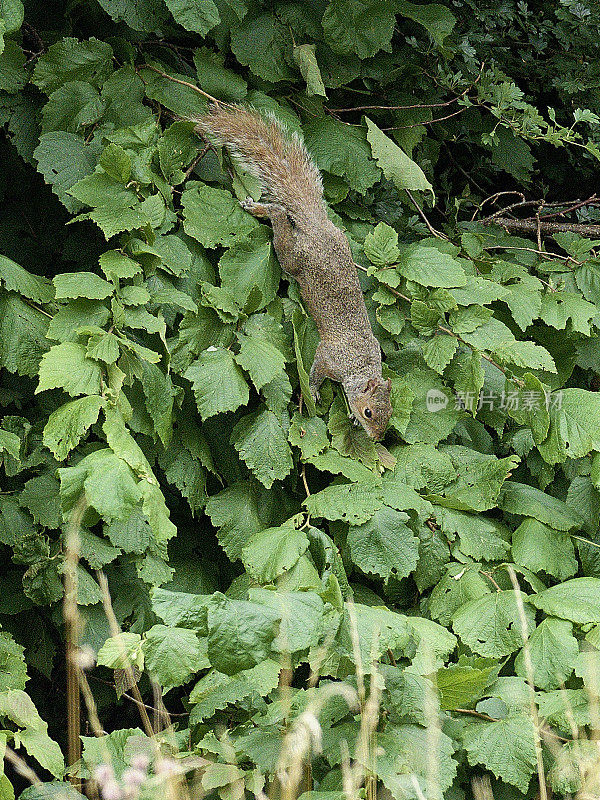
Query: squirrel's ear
x=371, y=385
x=388, y=384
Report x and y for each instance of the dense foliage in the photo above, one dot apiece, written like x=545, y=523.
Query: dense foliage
x=152, y=358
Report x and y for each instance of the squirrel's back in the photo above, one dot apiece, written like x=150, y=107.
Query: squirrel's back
x=274, y=155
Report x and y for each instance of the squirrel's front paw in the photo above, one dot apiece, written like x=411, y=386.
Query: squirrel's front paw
x=254, y=208
x=315, y=396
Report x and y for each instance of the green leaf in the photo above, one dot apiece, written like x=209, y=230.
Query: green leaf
x=305, y=57
x=480, y=537
x=270, y=553
x=574, y=425
x=121, y=651
x=342, y=150
x=108, y=483
x=181, y=609
x=198, y=18
x=384, y=545
x=553, y=650
x=519, y=498
x=218, y=382
x=577, y=600
x=65, y=366
x=461, y=686
x=217, y=690
x=351, y=502
x=22, y=335
x=249, y=270
x=437, y=19
x=439, y=351
x=17, y=279
x=69, y=60
x=261, y=359
x=215, y=78
x=172, y=655
x=539, y=547
x=240, y=633
x=115, y=264
x=13, y=669
x=359, y=27
x=491, y=625
x=81, y=284
x=63, y=159
x=69, y=423
x=40, y=497
x=213, y=217
x=381, y=245
x=394, y=162
x=10, y=443
x=236, y=512
x=505, y=747
x=428, y=266
x=403, y=761
x=525, y=354
x=261, y=442
x=100, y=190
x=74, y=105
x=301, y=615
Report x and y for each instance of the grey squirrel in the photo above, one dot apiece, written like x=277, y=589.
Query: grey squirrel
x=312, y=250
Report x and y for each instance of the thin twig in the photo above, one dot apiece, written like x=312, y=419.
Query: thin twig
x=183, y=83
x=196, y=161
x=430, y=227
x=531, y=226
x=425, y=121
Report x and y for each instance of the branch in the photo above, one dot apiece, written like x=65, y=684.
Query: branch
x=534, y=225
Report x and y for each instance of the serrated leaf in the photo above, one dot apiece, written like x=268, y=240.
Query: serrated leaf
x=261, y=359
x=358, y=27
x=428, y=266
x=17, y=279
x=525, y=354
x=351, y=502
x=552, y=650
x=270, y=553
x=240, y=633
x=505, y=747
x=577, y=600
x=69, y=423
x=218, y=382
x=66, y=366
x=519, y=498
x=439, y=351
x=491, y=625
x=213, y=217
x=381, y=245
x=384, y=545
x=261, y=442
x=540, y=547
x=343, y=151
x=172, y=655
x=216, y=690
x=81, y=284
x=70, y=59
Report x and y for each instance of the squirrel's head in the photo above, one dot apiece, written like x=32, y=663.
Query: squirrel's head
x=372, y=407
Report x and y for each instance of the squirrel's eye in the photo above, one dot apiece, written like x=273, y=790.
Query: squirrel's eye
x=367, y=412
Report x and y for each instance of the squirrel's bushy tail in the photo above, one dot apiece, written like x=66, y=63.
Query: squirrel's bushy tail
x=272, y=154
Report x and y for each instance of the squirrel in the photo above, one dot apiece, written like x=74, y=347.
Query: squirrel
x=312, y=250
